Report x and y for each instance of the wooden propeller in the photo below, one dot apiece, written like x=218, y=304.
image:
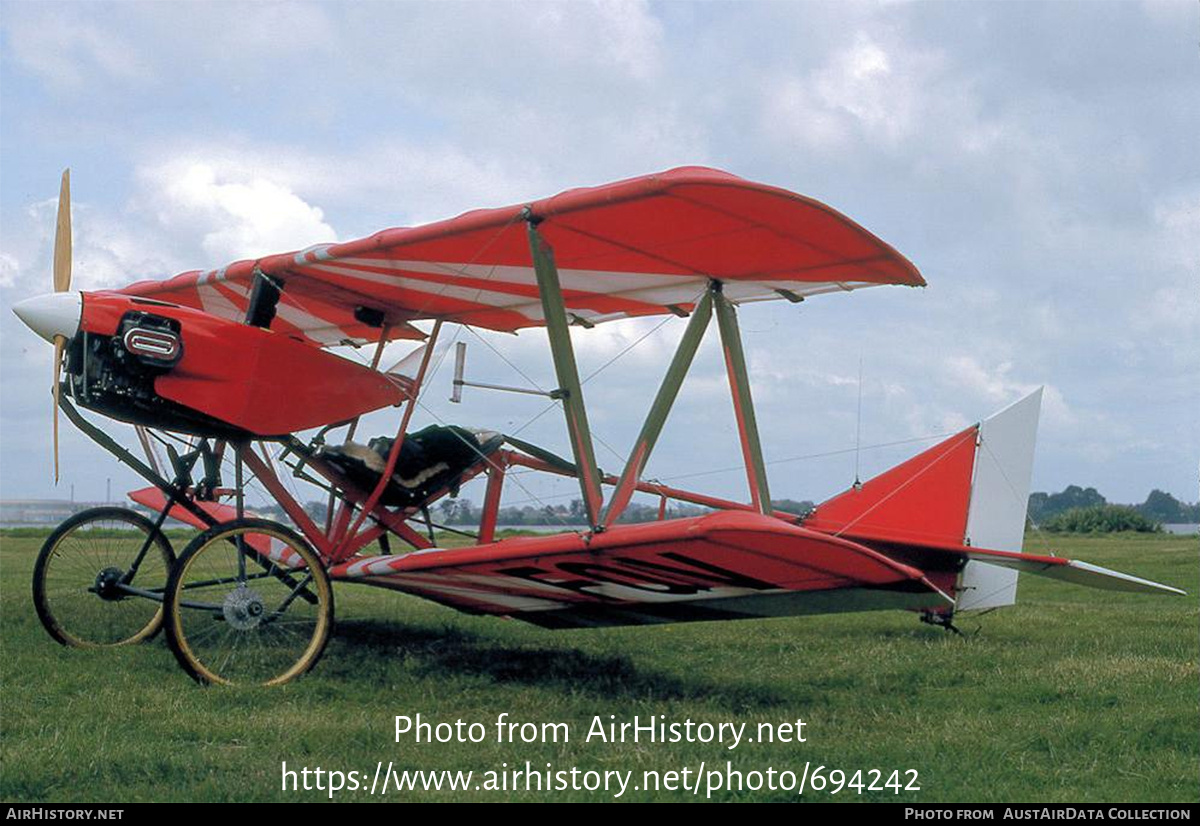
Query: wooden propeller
x=62, y=283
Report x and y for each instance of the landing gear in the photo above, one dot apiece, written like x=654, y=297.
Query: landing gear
x=99, y=579
x=248, y=603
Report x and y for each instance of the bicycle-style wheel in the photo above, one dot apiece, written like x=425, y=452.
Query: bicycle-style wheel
x=86, y=574
x=248, y=603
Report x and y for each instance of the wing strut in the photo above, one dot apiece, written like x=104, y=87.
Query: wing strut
x=657, y=417
x=571, y=392
x=555, y=312
x=743, y=404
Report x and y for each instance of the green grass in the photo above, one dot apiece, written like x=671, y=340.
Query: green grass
x=1073, y=695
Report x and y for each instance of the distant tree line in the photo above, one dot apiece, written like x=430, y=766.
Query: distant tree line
x=1159, y=507
x=1085, y=510
x=463, y=512
x=801, y=508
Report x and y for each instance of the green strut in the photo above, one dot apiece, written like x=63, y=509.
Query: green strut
x=657, y=417
x=557, y=330
x=743, y=404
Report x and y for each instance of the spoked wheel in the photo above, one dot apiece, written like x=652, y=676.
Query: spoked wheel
x=248, y=603
x=100, y=577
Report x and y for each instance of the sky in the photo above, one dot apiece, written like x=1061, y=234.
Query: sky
x=1038, y=162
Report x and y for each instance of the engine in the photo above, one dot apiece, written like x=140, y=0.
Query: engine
x=115, y=375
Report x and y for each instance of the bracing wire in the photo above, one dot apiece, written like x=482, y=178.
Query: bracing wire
x=742, y=468
x=858, y=426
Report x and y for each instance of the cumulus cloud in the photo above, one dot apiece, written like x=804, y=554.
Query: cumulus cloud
x=241, y=216
x=180, y=216
x=380, y=182
x=998, y=387
x=872, y=89
x=106, y=250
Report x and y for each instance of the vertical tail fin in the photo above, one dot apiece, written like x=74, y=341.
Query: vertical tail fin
x=971, y=489
x=999, y=497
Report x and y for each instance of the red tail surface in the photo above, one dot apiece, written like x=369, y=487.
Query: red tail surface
x=969, y=490
x=925, y=499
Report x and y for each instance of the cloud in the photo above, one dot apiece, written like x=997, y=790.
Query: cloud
x=389, y=181
x=244, y=215
x=9, y=269
x=873, y=89
x=70, y=54
x=181, y=216
x=106, y=250
x=1174, y=301
x=998, y=387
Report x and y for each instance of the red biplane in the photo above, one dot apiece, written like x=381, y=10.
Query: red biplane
x=228, y=365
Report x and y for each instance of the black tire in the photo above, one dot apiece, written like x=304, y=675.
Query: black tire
x=235, y=617
x=77, y=567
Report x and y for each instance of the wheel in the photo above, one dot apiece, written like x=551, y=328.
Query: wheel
x=83, y=573
x=248, y=603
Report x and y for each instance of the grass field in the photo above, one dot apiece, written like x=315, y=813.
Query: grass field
x=1074, y=695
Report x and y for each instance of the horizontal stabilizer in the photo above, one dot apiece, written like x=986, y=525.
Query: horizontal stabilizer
x=1084, y=573
x=1074, y=571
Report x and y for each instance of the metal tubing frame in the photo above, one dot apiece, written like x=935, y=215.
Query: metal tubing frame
x=660, y=409
x=324, y=542
x=170, y=489
x=344, y=538
x=574, y=409
x=391, y=520
x=491, y=502
x=263, y=472
x=743, y=403
x=350, y=431
x=678, y=494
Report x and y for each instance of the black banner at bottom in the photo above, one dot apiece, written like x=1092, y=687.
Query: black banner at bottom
x=884, y=812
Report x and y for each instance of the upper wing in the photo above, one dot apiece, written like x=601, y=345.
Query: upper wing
x=643, y=246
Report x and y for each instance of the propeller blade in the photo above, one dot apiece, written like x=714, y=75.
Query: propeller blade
x=60, y=343
x=62, y=240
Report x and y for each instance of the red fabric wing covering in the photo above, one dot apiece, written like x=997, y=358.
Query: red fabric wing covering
x=631, y=248
x=922, y=500
x=720, y=566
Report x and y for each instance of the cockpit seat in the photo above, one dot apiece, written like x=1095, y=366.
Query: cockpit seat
x=432, y=462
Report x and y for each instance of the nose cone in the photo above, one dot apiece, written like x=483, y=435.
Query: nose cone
x=53, y=314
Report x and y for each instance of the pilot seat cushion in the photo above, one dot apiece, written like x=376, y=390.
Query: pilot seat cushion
x=431, y=460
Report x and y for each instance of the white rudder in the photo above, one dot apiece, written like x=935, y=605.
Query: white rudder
x=999, y=498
